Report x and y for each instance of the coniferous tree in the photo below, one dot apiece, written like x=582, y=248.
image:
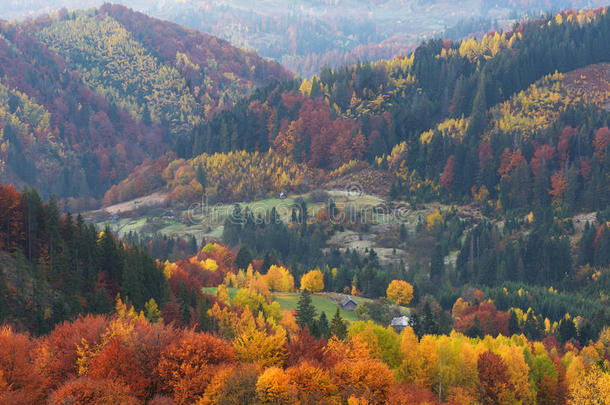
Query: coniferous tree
x=322, y=326
x=305, y=312
x=437, y=264
x=201, y=176
x=337, y=326
x=513, y=324
x=243, y=258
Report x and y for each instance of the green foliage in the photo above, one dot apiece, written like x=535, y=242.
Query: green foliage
x=305, y=312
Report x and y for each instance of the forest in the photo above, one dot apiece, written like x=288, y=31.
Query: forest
x=89, y=95
x=487, y=284
x=110, y=325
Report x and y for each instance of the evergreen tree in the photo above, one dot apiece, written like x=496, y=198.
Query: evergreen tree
x=323, y=328
x=513, y=324
x=201, y=176
x=567, y=330
x=306, y=312
x=243, y=258
x=337, y=326
x=437, y=264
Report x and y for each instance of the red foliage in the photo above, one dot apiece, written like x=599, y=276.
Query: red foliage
x=87, y=391
x=585, y=168
x=447, y=176
x=11, y=218
x=564, y=143
x=187, y=366
x=305, y=347
x=510, y=161
x=493, y=377
x=601, y=142
x=492, y=321
x=58, y=354
x=122, y=362
x=541, y=157
x=21, y=377
x=405, y=394
x=486, y=154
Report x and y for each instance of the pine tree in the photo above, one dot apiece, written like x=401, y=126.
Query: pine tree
x=305, y=311
x=201, y=176
x=323, y=327
x=513, y=324
x=243, y=258
x=337, y=326
x=437, y=263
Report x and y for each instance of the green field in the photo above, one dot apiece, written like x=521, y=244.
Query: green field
x=321, y=301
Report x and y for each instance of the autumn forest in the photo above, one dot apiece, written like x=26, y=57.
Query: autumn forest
x=183, y=221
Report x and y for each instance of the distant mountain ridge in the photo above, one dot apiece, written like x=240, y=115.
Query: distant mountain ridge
x=86, y=96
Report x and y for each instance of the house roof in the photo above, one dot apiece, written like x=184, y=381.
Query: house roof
x=400, y=321
x=347, y=300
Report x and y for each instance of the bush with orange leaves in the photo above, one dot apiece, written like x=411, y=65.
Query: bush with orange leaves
x=129, y=350
x=58, y=351
x=21, y=381
x=187, y=366
x=274, y=387
x=304, y=347
x=232, y=385
x=88, y=391
x=313, y=384
x=356, y=374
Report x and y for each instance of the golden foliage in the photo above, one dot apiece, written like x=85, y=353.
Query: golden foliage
x=313, y=281
x=400, y=292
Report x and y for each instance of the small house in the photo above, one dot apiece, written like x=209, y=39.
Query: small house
x=399, y=323
x=349, y=304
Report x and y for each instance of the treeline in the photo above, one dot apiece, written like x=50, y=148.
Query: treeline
x=55, y=267
x=162, y=247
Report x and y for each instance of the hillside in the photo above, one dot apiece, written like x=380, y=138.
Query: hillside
x=89, y=95
x=441, y=122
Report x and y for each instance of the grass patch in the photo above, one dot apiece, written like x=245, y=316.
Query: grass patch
x=289, y=301
x=320, y=301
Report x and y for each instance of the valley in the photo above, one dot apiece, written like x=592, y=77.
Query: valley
x=420, y=216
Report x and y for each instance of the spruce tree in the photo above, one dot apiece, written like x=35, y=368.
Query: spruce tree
x=323, y=327
x=201, y=176
x=437, y=263
x=305, y=311
x=513, y=324
x=337, y=326
x=243, y=258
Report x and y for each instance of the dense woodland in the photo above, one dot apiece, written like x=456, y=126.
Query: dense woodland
x=161, y=339
x=505, y=281
x=87, y=96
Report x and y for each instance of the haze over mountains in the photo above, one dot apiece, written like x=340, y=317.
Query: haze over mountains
x=306, y=35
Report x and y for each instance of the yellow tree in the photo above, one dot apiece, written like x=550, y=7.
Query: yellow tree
x=274, y=387
x=278, y=278
x=400, y=292
x=257, y=346
x=312, y=281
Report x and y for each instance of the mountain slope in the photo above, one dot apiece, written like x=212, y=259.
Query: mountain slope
x=442, y=121
x=105, y=101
